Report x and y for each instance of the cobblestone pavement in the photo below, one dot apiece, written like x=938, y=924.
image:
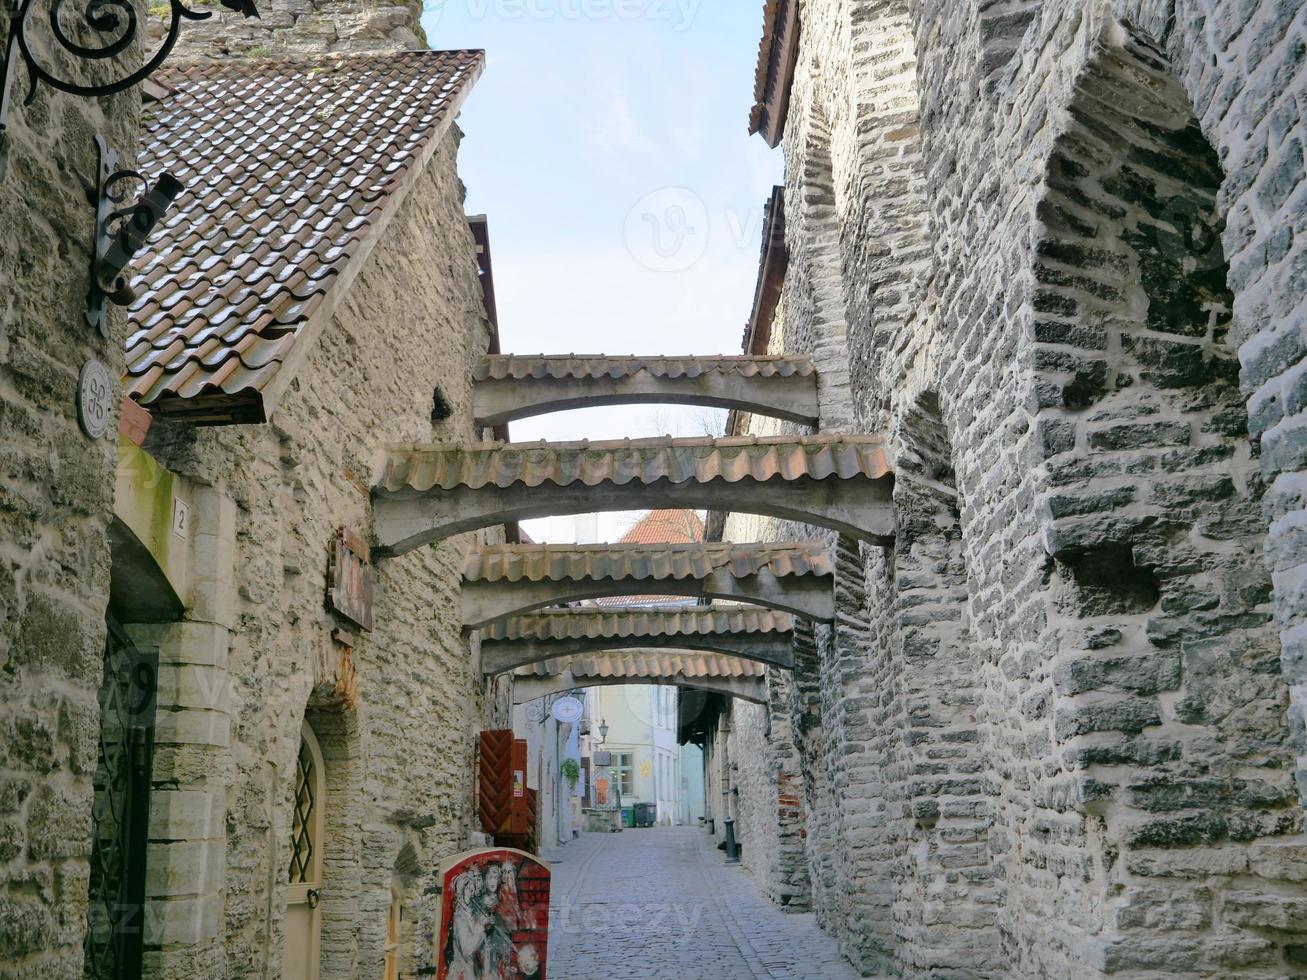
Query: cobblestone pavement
x=658, y=904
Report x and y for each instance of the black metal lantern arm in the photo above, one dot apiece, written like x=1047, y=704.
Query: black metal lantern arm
x=116, y=18
x=121, y=231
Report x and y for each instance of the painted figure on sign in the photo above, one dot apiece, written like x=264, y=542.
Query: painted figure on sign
x=497, y=951
x=494, y=917
x=528, y=962
x=510, y=909
x=468, y=932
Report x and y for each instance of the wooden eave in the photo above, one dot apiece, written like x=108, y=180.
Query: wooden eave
x=777, y=55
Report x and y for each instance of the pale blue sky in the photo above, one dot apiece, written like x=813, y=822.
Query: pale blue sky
x=607, y=142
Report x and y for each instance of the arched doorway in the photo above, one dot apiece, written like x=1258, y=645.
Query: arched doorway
x=304, y=896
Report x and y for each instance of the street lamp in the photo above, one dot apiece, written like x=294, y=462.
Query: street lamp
x=603, y=738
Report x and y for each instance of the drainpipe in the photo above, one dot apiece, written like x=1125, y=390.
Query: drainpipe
x=732, y=853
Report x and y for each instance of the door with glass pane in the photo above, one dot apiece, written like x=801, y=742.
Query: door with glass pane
x=304, y=898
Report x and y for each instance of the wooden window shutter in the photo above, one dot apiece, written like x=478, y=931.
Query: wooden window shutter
x=495, y=781
x=505, y=805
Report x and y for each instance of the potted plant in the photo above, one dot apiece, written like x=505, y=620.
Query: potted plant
x=571, y=771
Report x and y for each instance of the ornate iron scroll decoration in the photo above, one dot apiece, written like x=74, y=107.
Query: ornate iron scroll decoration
x=116, y=21
x=120, y=231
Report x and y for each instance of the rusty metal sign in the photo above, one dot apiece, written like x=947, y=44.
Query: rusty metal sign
x=349, y=580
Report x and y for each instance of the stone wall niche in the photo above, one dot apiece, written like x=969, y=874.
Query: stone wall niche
x=949, y=889
x=1167, y=791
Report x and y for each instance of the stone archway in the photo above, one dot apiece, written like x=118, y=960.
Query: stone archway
x=509, y=580
x=507, y=387
x=732, y=631
x=430, y=492
x=1154, y=607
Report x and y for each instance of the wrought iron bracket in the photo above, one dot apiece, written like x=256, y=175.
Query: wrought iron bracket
x=115, y=23
x=120, y=230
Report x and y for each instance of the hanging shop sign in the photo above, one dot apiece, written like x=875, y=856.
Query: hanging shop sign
x=494, y=916
x=350, y=578
x=567, y=710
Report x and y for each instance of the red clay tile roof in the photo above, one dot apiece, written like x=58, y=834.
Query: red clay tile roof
x=651, y=664
x=609, y=562
x=591, y=623
x=292, y=169
x=666, y=527
x=581, y=367
x=419, y=469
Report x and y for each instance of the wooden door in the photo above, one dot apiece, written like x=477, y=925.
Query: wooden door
x=304, y=897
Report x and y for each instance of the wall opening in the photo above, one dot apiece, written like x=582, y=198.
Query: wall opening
x=336, y=732
x=1162, y=676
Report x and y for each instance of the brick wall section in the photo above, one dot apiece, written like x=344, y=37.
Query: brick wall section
x=56, y=498
x=399, y=765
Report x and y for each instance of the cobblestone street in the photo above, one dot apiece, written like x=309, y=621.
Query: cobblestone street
x=658, y=904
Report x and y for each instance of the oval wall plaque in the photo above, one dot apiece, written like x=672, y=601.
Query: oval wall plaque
x=94, y=399
x=567, y=710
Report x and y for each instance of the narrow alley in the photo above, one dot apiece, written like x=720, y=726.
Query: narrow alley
x=658, y=904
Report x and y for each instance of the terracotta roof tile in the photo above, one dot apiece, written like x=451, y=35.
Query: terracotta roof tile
x=580, y=367
x=571, y=624
x=288, y=167
x=647, y=665
x=666, y=527
x=659, y=527
x=423, y=468
x=603, y=562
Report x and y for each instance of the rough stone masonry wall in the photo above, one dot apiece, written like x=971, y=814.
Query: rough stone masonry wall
x=295, y=28
x=56, y=499
x=769, y=810
x=1124, y=739
x=399, y=764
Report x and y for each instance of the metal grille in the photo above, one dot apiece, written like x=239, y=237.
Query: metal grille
x=302, y=843
x=121, y=809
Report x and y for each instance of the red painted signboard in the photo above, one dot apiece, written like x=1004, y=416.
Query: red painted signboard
x=494, y=916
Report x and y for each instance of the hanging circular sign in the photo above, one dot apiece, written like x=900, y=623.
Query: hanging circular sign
x=94, y=399
x=567, y=710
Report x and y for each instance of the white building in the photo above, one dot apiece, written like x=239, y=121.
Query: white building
x=641, y=724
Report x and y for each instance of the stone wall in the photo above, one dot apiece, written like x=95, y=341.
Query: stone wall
x=295, y=28
x=396, y=711
x=1048, y=733
x=56, y=497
